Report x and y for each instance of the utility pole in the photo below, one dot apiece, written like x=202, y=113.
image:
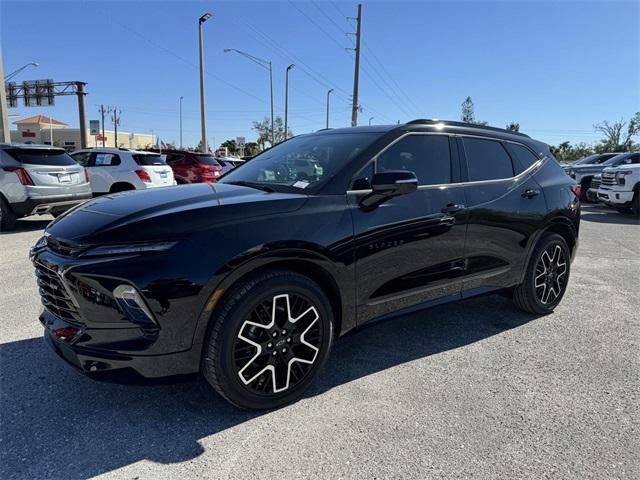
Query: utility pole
x=328, y=93
x=5, y=134
x=81, y=113
x=181, y=122
x=102, y=122
x=203, y=121
x=286, y=101
x=115, y=118
x=356, y=74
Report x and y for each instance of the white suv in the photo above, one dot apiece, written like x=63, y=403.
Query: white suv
x=620, y=186
x=118, y=169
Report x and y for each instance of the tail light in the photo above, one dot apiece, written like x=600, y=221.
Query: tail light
x=22, y=174
x=577, y=190
x=86, y=175
x=143, y=175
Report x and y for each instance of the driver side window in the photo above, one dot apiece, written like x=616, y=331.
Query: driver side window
x=428, y=156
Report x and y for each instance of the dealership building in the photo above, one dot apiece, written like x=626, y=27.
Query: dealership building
x=42, y=129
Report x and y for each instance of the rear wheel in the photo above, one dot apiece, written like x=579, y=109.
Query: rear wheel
x=7, y=217
x=121, y=187
x=268, y=341
x=635, y=203
x=546, y=277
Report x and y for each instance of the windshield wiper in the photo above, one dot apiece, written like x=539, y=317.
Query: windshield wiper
x=257, y=186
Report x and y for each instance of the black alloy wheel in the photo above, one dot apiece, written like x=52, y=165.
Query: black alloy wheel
x=546, y=277
x=268, y=340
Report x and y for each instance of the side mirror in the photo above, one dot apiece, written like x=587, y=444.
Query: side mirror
x=386, y=185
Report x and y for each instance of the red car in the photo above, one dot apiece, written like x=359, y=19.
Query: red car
x=193, y=167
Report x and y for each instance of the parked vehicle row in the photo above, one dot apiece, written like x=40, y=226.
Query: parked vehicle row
x=250, y=283
x=39, y=179
x=610, y=178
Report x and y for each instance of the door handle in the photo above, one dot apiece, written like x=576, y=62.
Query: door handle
x=530, y=193
x=451, y=208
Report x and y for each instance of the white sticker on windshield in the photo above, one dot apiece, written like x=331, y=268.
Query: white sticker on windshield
x=301, y=184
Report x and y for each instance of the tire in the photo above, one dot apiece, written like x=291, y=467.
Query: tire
x=121, y=187
x=635, y=204
x=7, y=217
x=238, y=358
x=546, y=277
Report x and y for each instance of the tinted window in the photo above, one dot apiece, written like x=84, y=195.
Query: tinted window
x=622, y=159
x=106, y=160
x=41, y=157
x=146, y=159
x=428, y=156
x=206, y=159
x=486, y=160
x=82, y=158
x=174, y=157
x=525, y=158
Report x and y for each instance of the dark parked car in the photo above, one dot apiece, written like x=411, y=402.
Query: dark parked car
x=585, y=170
x=193, y=167
x=251, y=279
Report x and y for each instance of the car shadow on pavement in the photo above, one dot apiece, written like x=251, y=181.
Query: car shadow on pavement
x=56, y=423
x=28, y=226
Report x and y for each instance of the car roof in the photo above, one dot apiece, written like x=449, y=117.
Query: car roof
x=114, y=150
x=31, y=146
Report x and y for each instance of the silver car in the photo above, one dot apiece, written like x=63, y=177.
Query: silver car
x=36, y=180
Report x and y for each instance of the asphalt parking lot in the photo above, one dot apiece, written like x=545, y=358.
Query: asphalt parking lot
x=472, y=390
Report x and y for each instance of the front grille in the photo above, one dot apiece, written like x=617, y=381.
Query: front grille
x=54, y=295
x=609, y=179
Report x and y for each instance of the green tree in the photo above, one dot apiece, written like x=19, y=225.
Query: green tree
x=231, y=146
x=468, y=113
x=251, y=149
x=513, y=126
x=199, y=147
x=264, y=131
x=565, y=152
x=616, y=137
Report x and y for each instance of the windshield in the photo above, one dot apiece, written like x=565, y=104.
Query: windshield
x=146, y=159
x=618, y=159
x=41, y=156
x=302, y=162
x=594, y=159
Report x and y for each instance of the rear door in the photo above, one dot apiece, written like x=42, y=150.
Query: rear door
x=506, y=209
x=410, y=249
x=101, y=171
x=156, y=167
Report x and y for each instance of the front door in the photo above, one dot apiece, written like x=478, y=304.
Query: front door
x=409, y=250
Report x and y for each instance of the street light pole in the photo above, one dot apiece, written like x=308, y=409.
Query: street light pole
x=264, y=64
x=181, y=97
x=328, y=93
x=15, y=72
x=203, y=120
x=286, y=101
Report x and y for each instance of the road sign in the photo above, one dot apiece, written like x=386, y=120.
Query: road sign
x=100, y=138
x=240, y=142
x=94, y=127
x=38, y=93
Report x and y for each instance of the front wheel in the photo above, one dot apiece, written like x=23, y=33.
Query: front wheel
x=268, y=340
x=546, y=278
x=7, y=217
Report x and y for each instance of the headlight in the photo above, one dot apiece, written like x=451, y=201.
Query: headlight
x=132, y=248
x=620, y=176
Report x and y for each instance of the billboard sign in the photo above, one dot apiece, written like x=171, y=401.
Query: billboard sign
x=94, y=127
x=240, y=142
x=38, y=93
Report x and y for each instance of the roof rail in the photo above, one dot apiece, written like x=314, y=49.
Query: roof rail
x=430, y=121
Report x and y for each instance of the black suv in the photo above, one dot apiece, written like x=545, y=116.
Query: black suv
x=251, y=279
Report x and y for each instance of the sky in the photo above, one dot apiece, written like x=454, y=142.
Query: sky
x=555, y=67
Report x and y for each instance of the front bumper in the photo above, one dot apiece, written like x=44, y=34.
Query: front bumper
x=95, y=362
x=615, y=197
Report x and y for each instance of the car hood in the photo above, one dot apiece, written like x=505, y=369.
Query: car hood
x=160, y=213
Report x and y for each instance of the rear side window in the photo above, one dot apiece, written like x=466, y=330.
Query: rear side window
x=524, y=157
x=41, y=157
x=144, y=159
x=428, y=156
x=174, y=158
x=106, y=160
x=486, y=160
x=82, y=158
